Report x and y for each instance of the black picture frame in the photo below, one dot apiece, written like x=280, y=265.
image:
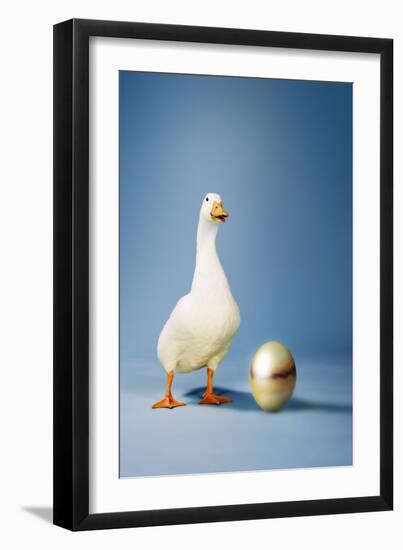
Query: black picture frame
x=71, y=274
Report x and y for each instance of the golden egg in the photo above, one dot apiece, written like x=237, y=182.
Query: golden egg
x=272, y=376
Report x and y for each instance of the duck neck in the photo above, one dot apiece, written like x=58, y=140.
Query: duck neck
x=209, y=274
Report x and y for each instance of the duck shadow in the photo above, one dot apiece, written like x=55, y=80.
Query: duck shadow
x=244, y=401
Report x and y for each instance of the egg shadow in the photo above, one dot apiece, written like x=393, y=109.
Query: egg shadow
x=244, y=401
x=298, y=404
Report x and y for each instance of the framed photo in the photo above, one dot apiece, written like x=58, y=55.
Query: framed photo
x=223, y=259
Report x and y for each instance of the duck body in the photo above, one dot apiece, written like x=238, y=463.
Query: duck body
x=200, y=329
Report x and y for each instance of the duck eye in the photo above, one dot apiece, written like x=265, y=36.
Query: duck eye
x=206, y=199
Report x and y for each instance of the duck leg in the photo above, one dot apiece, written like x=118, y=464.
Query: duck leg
x=168, y=402
x=209, y=397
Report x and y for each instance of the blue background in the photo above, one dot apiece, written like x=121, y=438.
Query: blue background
x=279, y=152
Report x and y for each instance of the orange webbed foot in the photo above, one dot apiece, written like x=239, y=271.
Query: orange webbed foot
x=213, y=399
x=168, y=402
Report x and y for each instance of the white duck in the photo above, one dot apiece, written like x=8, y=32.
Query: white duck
x=200, y=328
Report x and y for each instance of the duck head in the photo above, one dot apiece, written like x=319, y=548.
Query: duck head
x=212, y=209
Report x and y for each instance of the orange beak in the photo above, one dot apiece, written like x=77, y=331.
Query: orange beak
x=218, y=214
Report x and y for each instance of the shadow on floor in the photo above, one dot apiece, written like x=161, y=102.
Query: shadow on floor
x=297, y=404
x=244, y=401
x=45, y=513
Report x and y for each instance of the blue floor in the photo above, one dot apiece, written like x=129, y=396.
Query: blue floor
x=314, y=429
